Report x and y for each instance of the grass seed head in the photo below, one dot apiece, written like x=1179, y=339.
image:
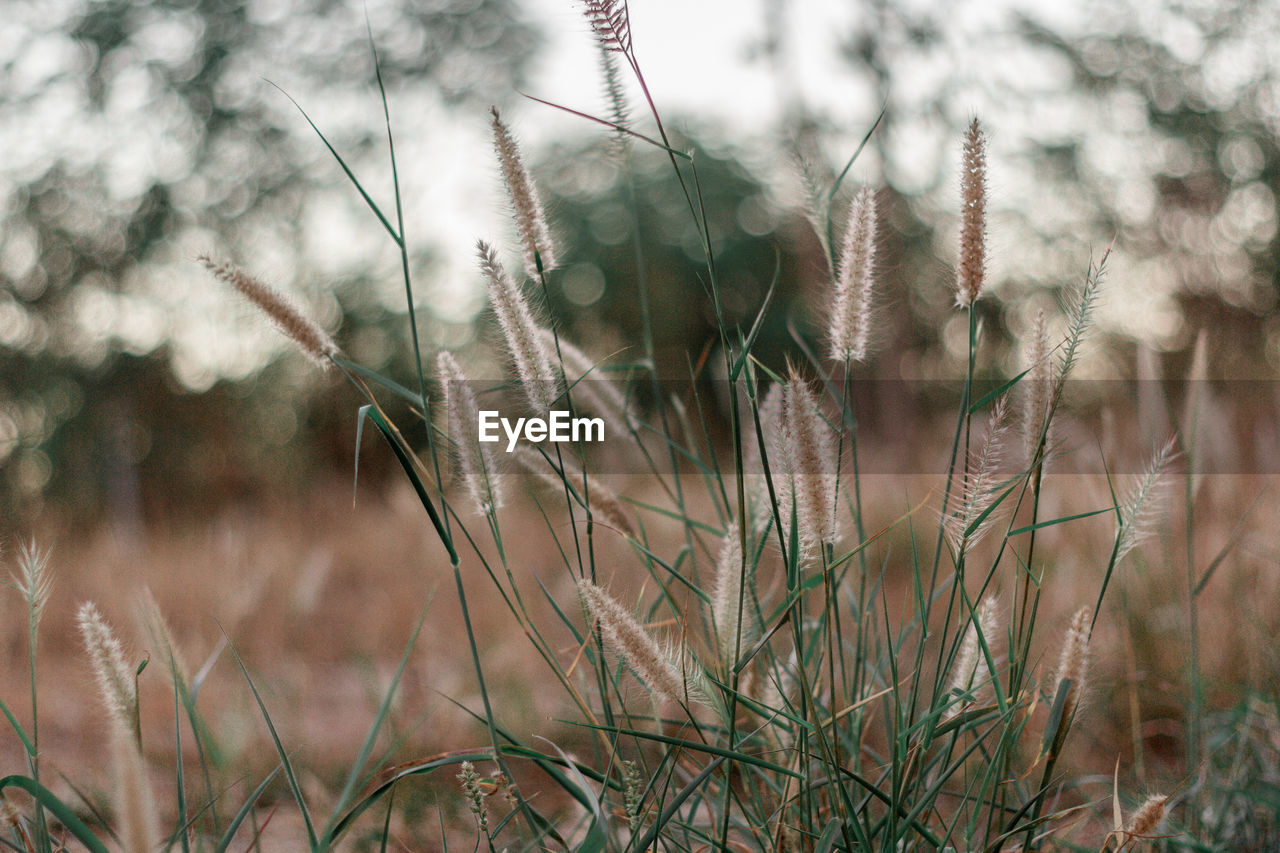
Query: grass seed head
x=662, y=671
x=1073, y=660
x=973, y=218
x=523, y=336
x=33, y=582
x=475, y=796
x=476, y=462
x=314, y=341
x=612, y=23
x=810, y=452
x=1146, y=820
x=727, y=601
x=1036, y=392
x=531, y=222
x=971, y=670
x=1145, y=504
x=116, y=682
x=604, y=504
x=851, y=316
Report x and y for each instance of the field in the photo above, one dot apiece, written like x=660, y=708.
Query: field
x=782, y=606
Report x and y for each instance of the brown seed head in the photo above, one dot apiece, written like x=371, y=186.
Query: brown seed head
x=531, y=222
x=1148, y=816
x=283, y=313
x=973, y=218
x=1073, y=660
x=628, y=639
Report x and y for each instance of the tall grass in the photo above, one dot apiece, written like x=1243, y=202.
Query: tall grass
x=773, y=676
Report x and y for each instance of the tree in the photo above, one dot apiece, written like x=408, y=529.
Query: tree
x=145, y=136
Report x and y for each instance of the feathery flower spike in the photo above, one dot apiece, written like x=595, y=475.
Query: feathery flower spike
x=476, y=461
x=726, y=595
x=612, y=23
x=971, y=668
x=1037, y=391
x=1145, y=504
x=1073, y=661
x=810, y=452
x=851, y=316
x=627, y=638
x=523, y=336
x=283, y=313
x=116, y=682
x=1147, y=818
x=980, y=484
x=531, y=222
x=973, y=218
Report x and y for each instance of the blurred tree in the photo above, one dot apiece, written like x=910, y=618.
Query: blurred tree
x=135, y=136
x=596, y=296
x=1197, y=88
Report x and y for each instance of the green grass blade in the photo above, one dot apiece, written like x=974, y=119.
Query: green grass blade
x=229, y=834
x=373, y=205
x=366, y=749
x=406, y=459
x=17, y=727
x=275, y=739
x=58, y=809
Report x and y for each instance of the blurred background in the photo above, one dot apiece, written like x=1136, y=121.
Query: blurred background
x=135, y=390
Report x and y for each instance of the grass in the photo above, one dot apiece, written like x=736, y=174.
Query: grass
x=751, y=645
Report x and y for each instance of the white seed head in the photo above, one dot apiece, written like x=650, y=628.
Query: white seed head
x=476, y=461
x=523, y=337
x=1073, y=661
x=662, y=671
x=809, y=451
x=116, y=682
x=851, y=315
x=531, y=222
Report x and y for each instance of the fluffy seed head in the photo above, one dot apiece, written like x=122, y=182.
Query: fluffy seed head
x=726, y=596
x=476, y=461
x=604, y=504
x=591, y=392
x=1073, y=660
x=116, y=683
x=624, y=636
x=972, y=520
x=971, y=670
x=1145, y=504
x=1036, y=393
x=531, y=222
x=314, y=341
x=851, y=315
x=769, y=412
x=156, y=629
x=973, y=218
x=1148, y=816
x=810, y=452
x=522, y=335
x=33, y=583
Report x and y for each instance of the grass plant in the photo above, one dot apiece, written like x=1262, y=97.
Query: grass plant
x=748, y=663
